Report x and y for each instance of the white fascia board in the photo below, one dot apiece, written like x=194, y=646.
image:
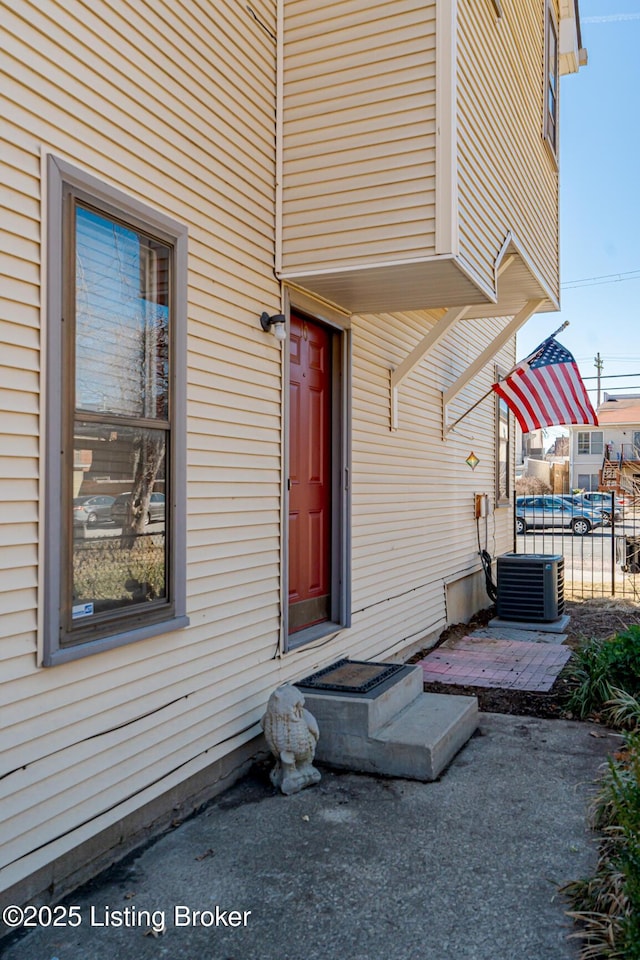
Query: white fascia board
x=572, y=57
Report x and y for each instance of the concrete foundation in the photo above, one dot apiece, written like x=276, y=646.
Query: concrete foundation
x=465, y=597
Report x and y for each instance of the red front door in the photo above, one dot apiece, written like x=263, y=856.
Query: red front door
x=309, y=473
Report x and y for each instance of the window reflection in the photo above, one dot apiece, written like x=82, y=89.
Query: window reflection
x=121, y=558
x=122, y=319
x=503, y=449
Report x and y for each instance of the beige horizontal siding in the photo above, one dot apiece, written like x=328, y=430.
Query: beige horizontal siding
x=19, y=626
x=507, y=178
x=358, y=133
x=413, y=526
x=402, y=168
x=159, y=102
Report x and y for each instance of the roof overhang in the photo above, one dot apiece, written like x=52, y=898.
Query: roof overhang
x=432, y=283
x=519, y=293
x=572, y=54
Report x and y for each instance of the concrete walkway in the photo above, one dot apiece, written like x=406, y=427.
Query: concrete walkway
x=360, y=868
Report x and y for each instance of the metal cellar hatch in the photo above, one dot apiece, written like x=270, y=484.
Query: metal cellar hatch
x=351, y=676
x=530, y=587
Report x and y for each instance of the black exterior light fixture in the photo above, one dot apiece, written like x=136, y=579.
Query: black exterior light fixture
x=276, y=324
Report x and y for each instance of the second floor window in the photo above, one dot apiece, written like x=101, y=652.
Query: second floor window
x=590, y=442
x=551, y=83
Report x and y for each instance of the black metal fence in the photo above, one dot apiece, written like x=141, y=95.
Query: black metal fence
x=600, y=545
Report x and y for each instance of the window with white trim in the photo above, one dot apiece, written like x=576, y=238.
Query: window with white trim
x=590, y=443
x=588, y=481
x=116, y=376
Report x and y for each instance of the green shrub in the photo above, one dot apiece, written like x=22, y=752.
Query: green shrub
x=601, y=667
x=607, y=905
x=606, y=676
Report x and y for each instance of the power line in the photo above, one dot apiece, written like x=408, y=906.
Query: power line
x=612, y=376
x=620, y=386
x=600, y=280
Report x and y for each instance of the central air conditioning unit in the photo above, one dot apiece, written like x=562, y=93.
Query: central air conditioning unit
x=530, y=587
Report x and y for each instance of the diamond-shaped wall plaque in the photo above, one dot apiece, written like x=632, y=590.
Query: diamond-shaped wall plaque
x=472, y=460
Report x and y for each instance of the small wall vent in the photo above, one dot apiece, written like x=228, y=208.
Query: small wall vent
x=530, y=587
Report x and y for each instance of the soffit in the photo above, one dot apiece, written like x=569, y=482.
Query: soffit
x=426, y=285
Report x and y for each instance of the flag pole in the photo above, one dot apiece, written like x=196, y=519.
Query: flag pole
x=450, y=426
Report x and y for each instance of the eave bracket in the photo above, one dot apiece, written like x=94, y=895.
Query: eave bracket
x=482, y=359
x=419, y=352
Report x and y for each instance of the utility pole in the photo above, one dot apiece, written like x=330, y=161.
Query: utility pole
x=599, y=363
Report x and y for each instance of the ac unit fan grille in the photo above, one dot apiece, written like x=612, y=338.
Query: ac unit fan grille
x=530, y=588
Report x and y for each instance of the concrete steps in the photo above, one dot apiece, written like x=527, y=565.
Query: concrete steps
x=426, y=736
x=395, y=730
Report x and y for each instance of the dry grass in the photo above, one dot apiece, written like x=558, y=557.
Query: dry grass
x=626, y=590
x=600, y=617
x=605, y=905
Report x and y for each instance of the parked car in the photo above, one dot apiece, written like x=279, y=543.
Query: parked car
x=121, y=508
x=602, y=499
x=92, y=510
x=598, y=501
x=552, y=511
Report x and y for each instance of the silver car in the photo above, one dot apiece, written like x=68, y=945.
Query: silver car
x=121, y=509
x=595, y=501
x=92, y=510
x=553, y=511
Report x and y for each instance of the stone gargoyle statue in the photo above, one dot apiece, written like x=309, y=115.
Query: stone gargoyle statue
x=291, y=733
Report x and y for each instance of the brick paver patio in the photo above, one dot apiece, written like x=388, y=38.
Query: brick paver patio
x=487, y=662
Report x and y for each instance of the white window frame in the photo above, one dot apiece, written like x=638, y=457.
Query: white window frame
x=590, y=435
x=593, y=482
x=65, y=184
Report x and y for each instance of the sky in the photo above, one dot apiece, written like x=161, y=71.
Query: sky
x=600, y=202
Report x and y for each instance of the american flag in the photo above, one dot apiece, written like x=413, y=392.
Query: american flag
x=546, y=390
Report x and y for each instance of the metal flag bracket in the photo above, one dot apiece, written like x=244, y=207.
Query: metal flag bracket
x=510, y=330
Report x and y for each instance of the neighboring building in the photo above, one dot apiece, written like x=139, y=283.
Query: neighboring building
x=533, y=444
x=550, y=468
x=609, y=457
x=559, y=448
x=385, y=177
